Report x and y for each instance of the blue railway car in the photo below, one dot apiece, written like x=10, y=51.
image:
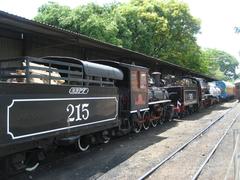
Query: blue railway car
x=227, y=90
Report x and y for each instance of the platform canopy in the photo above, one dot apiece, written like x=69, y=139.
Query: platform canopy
x=23, y=37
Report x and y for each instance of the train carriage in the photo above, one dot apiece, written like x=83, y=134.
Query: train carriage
x=227, y=90
x=237, y=89
x=46, y=99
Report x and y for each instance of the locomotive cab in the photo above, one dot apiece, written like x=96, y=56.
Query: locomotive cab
x=133, y=89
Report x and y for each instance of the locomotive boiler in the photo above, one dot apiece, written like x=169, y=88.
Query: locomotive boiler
x=158, y=93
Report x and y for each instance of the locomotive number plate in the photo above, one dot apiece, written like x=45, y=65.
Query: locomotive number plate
x=31, y=117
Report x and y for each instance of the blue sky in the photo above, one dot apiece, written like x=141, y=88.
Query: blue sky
x=218, y=19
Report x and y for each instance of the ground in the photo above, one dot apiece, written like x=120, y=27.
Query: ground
x=129, y=157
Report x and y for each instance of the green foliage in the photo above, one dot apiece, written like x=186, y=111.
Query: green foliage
x=53, y=14
x=91, y=20
x=220, y=64
x=163, y=29
x=160, y=28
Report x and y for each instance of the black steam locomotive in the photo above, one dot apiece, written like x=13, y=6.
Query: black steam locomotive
x=185, y=95
x=60, y=100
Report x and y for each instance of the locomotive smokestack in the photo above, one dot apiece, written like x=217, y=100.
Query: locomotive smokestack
x=157, y=78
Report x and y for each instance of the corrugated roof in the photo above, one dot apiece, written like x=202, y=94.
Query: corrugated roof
x=33, y=26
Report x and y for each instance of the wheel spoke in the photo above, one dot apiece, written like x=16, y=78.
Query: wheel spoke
x=154, y=123
x=146, y=118
x=146, y=125
x=137, y=127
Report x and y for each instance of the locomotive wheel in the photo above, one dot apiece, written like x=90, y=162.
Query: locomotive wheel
x=136, y=126
x=146, y=125
x=106, y=138
x=153, y=122
x=32, y=167
x=82, y=144
x=161, y=121
x=32, y=161
x=146, y=117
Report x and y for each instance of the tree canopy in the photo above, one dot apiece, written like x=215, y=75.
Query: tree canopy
x=220, y=64
x=160, y=28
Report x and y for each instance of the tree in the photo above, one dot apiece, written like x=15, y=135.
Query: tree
x=91, y=20
x=220, y=63
x=53, y=14
x=163, y=29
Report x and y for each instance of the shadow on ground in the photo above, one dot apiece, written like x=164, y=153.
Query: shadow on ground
x=99, y=159
x=204, y=112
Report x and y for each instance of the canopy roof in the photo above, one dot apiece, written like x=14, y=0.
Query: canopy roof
x=17, y=27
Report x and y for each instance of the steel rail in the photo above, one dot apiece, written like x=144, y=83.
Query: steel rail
x=232, y=158
x=196, y=175
x=199, y=134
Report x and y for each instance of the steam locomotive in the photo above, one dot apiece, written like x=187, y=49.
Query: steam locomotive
x=185, y=94
x=60, y=100
x=189, y=94
x=54, y=100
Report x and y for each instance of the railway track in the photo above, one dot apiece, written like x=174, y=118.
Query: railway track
x=190, y=141
x=214, y=149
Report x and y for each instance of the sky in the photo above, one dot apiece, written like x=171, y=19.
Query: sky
x=218, y=19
